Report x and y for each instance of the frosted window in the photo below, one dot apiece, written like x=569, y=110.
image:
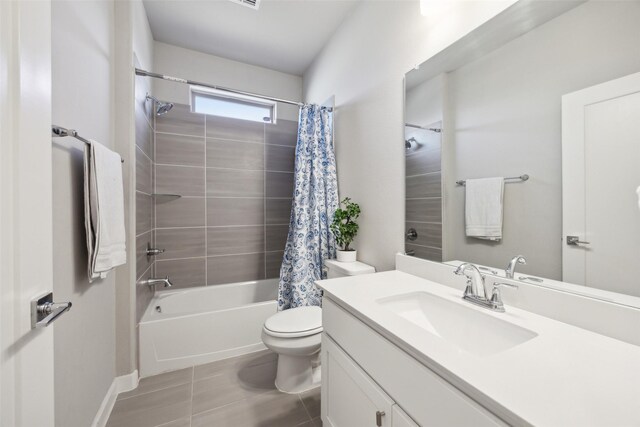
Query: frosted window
x=237, y=108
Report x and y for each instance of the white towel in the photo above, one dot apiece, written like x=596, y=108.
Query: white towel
x=483, y=208
x=103, y=210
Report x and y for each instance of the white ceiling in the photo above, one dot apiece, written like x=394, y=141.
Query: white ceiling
x=283, y=35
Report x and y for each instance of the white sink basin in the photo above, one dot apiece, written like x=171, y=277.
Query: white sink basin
x=470, y=330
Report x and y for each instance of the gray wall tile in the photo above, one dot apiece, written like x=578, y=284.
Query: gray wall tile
x=144, y=134
x=424, y=210
x=229, y=182
x=278, y=211
x=284, y=132
x=235, y=129
x=235, y=211
x=183, y=273
x=273, y=264
x=179, y=149
x=235, y=240
x=235, y=154
x=143, y=172
x=425, y=252
x=182, y=121
x=428, y=185
x=234, y=268
x=279, y=158
x=279, y=184
x=429, y=234
x=182, y=212
x=181, y=242
x=143, y=262
x=144, y=213
x=183, y=180
x=426, y=158
x=276, y=236
x=144, y=294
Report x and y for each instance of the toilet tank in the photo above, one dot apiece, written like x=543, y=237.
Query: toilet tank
x=337, y=269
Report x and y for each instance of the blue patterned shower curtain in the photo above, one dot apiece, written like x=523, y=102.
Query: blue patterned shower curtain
x=315, y=200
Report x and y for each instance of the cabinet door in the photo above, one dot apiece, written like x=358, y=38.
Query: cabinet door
x=349, y=397
x=400, y=419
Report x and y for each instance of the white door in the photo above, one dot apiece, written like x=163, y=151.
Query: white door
x=401, y=419
x=350, y=398
x=600, y=176
x=26, y=358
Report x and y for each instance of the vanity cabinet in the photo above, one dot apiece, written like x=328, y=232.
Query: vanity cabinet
x=364, y=374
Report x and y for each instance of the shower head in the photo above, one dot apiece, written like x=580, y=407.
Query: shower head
x=410, y=143
x=161, y=106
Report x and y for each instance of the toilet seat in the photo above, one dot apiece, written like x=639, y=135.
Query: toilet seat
x=294, y=323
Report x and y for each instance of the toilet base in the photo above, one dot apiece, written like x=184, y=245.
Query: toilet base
x=297, y=374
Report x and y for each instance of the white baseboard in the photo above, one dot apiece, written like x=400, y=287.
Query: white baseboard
x=119, y=385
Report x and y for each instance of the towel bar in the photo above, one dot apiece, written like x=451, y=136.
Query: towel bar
x=507, y=179
x=58, y=131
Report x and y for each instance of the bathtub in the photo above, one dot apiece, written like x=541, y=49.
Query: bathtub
x=188, y=327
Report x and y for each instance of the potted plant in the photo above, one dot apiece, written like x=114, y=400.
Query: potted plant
x=344, y=228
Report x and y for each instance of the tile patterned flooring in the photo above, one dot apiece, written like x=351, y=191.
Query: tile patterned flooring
x=236, y=392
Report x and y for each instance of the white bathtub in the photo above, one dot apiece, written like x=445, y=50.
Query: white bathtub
x=192, y=326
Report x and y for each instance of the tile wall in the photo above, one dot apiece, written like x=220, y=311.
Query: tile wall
x=423, y=204
x=235, y=178
x=144, y=119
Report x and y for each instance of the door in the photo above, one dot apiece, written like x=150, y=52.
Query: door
x=600, y=179
x=26, y=360
x=401, y=419
x=349, y=397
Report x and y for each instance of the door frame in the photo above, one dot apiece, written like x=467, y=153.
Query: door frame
x=26, y=358
x=574, y=170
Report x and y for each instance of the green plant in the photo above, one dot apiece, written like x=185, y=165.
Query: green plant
x=344, y=227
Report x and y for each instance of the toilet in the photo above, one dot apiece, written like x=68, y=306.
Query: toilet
x=295, y=335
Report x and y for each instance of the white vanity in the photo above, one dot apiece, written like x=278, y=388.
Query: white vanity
x=403, y=350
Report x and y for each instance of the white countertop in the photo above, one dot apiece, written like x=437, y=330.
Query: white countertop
x=566, y=376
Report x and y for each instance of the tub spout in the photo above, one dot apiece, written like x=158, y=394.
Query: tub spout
x=152, y=282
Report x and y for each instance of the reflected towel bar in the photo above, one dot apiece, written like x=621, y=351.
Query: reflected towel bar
x=59, y=131
x=507, y=179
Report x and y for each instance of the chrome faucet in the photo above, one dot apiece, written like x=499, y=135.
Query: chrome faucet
x=152, y=282
x=476, y=292
x=511, y=268
x=475, y=280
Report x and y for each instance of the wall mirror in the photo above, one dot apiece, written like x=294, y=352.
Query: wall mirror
x=547, y=96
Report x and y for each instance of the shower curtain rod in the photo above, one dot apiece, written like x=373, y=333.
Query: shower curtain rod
x=140, y=72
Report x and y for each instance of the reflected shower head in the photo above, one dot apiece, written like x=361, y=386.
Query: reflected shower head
x=161, y=106
x=411, y=143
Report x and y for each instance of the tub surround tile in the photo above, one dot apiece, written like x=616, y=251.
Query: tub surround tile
x=172, y=149
x=184, y=273
x=424, y=160
x=144, y=294
x=181, y=242
x=144, y=134
x=159, y=382
x=278, y=211
x=182, y=212
x=235, y=129
x=143, y=172
x=279, y=158
x=279, y=184
x=426, y=252
x=284, y=132
x=276, y=237
x=234, y=183
x=235, y=211
x=273, y=261
x=429, y=234
x=235, y=240
x=144, y=213
x=234, y=154
x=424, y=210
x=428, y=185
x=182, y=180
x=143, y=261
x=152, y=409
x=181, y=120
x=235, y=268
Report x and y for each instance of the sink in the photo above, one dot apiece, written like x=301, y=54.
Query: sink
x=468, y=329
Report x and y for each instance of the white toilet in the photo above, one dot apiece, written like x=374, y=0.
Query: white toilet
x=295, y=335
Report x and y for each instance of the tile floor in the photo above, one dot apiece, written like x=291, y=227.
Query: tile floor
x=236, y=392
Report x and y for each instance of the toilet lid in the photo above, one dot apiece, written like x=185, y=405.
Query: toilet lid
x=299, y=320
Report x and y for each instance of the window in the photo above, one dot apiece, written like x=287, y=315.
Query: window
x=225, y=104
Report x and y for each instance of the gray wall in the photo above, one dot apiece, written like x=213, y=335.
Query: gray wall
x=236, y=182
x=84, y=338
x=506, y=121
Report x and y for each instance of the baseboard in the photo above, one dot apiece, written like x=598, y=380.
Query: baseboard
x=119, y=385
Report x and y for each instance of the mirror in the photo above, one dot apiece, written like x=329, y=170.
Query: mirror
x=546, y=96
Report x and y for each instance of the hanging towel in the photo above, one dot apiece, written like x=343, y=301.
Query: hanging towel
x=483, y=208
x=103, y=210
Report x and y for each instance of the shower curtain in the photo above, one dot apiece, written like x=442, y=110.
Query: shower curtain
x=315, y=200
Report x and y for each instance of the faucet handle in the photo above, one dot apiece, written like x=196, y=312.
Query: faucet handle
x=496, y=297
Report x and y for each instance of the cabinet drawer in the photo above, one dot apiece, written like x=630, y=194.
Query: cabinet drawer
x=425, y=396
